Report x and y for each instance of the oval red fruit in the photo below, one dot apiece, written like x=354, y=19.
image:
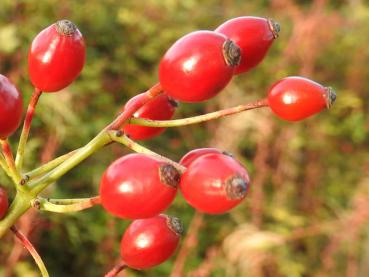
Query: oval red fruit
x=56, y=56
x=198, y=66
x=296, y=98
x=11, y=107
x=214, y=183
x=161, y=107
x=254, y=36
x=3, y=202
x=138, y=186
x=149, y=242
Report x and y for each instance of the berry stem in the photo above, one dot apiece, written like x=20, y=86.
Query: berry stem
x=65, y=205
x=28, y=245
x=151, y=93
x=26, y=128
x=83, y=153
x=116, y=269
x=20, y=204
x=8, y=155
x=200, y=118
x=4, y=165
x=119, y=137
x=48, y=166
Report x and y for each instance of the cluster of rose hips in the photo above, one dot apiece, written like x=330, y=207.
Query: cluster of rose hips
x=194, y=69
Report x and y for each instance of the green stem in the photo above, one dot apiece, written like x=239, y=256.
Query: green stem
x=4, y=166
x=20, y=204
x=14, y=174
x=200, y=118
x=26, y=128
x=48, y=166
x=119, y=137
x=65, y=205
x=28, y=245
x=83, y=153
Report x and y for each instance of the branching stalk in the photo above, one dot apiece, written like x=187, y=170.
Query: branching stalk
x=26, y=128
x=201, y=118
x=48, y=166
x=119, y=137
x=65, y=205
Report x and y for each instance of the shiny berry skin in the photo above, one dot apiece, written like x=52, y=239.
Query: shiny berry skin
x=214, y=183
x=161, y=107
x=149, y=242
x=198, y=66
x=296, y=98
x=138, y=186
x=3, y=202
x=11, y=107
x=196, y=153
x=56, y=56
x=254, y=36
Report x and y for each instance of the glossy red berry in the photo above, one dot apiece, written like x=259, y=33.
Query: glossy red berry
x=11, y=107
x=56, y=56
x=138, y=186
x=149, y=242
x=3, y=202
x=296, y=98
x=254, y=36
x=161, y=107
x=214, y=183
x=196, y=153
x=198, y=66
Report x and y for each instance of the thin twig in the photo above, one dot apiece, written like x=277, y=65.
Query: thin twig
x=119, y=137
x=65, y=205
x=201, y=118
x=26, y=128
x=8, y=155
x=116, y=269
x=28, y=245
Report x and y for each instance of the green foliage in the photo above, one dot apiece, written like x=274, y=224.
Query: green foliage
x=314, y=171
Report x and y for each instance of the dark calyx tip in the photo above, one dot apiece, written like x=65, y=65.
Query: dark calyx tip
x=65, y=27
x=169, y=175
x=236, y=187
x=330, y=96
x=175, y=224
x=231, y=53
x=275, y=27
x=226, y=153
x=173, y=102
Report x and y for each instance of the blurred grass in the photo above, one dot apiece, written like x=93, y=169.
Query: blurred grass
x=307, y=175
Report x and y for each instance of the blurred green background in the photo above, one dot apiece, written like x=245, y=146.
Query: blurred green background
x=308, y=210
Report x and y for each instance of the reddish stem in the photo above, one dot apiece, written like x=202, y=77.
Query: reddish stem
x=28, y=245
x=151, y=93
x=116, y=269
x=26, y=127
x=8, y=154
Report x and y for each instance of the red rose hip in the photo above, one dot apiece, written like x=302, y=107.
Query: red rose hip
x=214, y=183
x=296, y=98
x=56, y=56
x=254, y=36
x=149, y=242
x=11, y=107
x=161, y=107
x=138, y=186
x=3, y=202
x=198, y=66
